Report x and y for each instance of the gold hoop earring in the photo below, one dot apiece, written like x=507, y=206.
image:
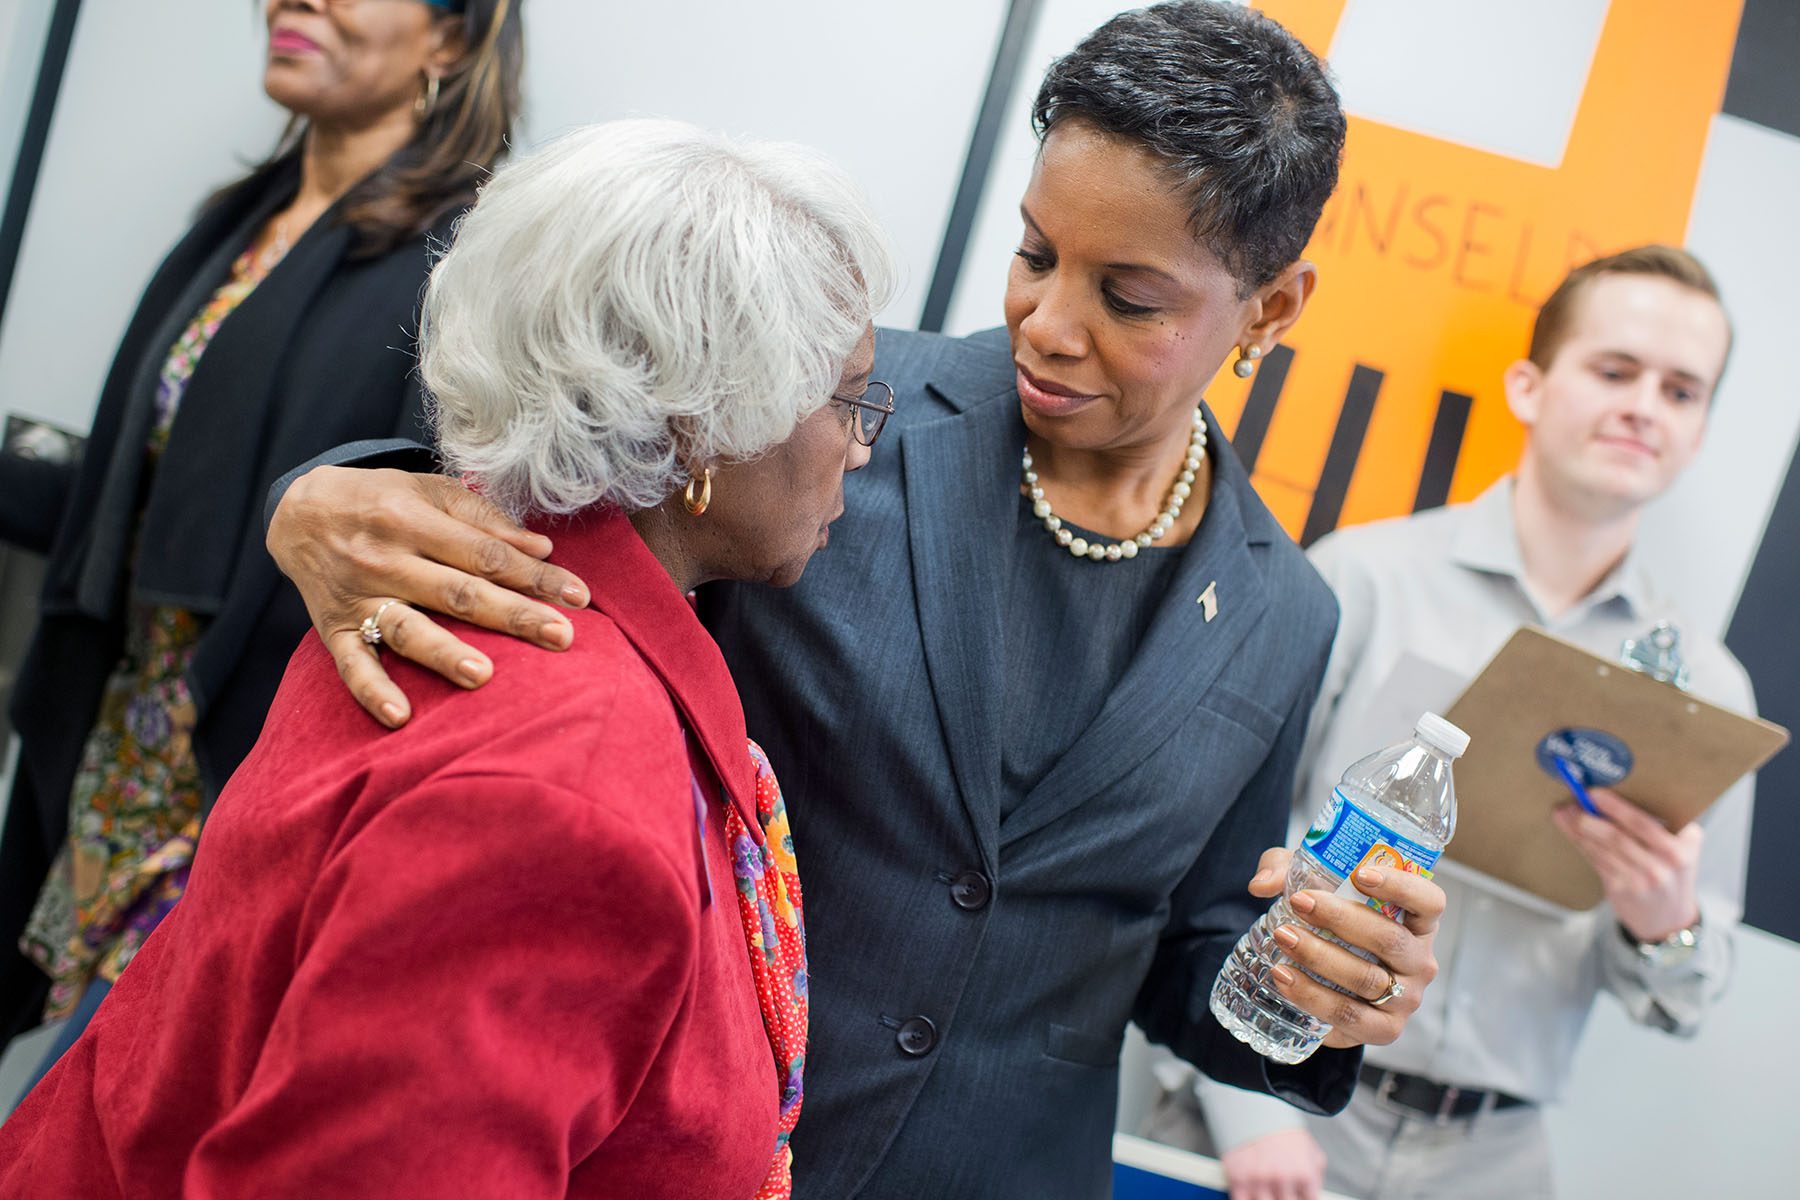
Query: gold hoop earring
x=426, y=100
x=1246, y=361
x=698, y=506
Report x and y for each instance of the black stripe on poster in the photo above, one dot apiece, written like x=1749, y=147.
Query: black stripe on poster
x=1340, y=459
x=1765, y=636
x=1443, y=451
x=1259, y=409
x=1015, y=36
x=57, y=39
x=1761, y=85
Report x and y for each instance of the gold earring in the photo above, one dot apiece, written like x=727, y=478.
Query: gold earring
x=698, y=506
x=426, y=100
x=1246, y=361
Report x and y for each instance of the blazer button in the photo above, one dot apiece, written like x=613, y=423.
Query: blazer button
x=971, y=891
x=917, y=1036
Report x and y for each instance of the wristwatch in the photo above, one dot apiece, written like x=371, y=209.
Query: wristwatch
x=1672, y=951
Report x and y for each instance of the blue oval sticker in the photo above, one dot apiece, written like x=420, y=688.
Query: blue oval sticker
x=1598, y=758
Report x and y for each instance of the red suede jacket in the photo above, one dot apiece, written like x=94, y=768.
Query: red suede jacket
x=493, y=954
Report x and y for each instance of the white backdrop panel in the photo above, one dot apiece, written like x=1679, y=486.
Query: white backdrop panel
x=161, y=103
x=889, y=91
x=982, y=284
x=1455, y=70
x=1702, y=536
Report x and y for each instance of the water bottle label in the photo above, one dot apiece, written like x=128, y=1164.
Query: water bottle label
x=1346, y=837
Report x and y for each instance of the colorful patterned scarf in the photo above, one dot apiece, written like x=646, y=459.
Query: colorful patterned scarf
x=768, y=893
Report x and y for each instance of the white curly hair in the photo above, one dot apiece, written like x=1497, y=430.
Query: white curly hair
x=638, y=297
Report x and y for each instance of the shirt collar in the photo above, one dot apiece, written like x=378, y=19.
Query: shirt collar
x=1487, y=540
x=1629, y=583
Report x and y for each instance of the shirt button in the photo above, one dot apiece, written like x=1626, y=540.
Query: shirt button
x=971, y=891
x=917, y=1036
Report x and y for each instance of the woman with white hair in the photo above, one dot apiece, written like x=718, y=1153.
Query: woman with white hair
x=504, y=952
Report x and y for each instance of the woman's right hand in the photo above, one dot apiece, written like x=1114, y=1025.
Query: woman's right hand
x=351, y=539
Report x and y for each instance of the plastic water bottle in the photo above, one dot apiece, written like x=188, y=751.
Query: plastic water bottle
x=1395, y=809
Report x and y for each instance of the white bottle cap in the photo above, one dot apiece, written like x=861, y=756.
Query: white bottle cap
x=1440, y=734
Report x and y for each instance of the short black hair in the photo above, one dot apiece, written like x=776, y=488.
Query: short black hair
x=1242, y=113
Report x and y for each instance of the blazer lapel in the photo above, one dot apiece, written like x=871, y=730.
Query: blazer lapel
x=1180, y=656
x=216, y=445
x=961, y=474
x=86, y=578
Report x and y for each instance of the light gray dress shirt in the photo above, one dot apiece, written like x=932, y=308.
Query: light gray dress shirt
x=1517, y=976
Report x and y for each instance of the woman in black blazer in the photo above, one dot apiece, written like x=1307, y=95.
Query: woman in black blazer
x=282, y=324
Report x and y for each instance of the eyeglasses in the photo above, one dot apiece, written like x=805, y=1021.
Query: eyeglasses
x=869, y=411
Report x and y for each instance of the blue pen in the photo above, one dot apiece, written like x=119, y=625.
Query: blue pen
x=1575, y=785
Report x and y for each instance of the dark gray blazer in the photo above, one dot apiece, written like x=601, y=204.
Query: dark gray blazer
x=971, y=976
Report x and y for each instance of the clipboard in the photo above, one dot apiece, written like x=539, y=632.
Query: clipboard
x=1541, y=695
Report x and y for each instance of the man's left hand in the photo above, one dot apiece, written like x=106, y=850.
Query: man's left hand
x=1651, y=876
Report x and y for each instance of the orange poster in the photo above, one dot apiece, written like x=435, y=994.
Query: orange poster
x=1433, y=257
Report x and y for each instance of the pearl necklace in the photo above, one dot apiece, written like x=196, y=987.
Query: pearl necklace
x=1165, y=520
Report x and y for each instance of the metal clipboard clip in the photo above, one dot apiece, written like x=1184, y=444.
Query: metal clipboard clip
x=1657, y=654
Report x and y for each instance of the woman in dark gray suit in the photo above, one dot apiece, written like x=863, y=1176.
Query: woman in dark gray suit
x=1039, y=711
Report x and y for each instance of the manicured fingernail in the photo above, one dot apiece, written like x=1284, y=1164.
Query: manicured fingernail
x=393, y=714
x=559, y=634
x=1259, y=877
x=1370, y=876
x=575, y=596
x=1287, y=937
x=473, y=670
x=1282, y=976
x=1303, y=902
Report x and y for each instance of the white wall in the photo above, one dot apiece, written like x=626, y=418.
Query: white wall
x=1702, y=536
x=162, y=102
x=888, y=90
x=976, y=302
x=1651, y=1117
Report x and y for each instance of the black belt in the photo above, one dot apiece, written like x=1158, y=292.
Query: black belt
x=1439, y=1101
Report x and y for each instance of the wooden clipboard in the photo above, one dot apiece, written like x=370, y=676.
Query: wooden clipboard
x=1684, y=754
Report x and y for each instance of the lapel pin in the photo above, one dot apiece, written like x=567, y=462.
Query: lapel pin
x=1209, y=600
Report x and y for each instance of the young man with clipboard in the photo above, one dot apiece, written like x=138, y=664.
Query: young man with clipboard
x=1614, y=394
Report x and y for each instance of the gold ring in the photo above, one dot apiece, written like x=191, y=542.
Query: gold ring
x=1394, y=988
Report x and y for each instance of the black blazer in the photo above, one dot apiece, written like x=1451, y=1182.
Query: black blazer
x=973, y=973
x=320, y=353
